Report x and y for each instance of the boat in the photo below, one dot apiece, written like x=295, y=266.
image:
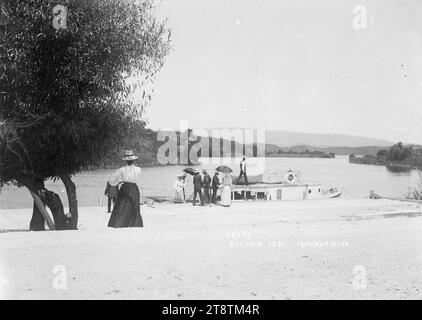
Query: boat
x=334, y=192
x=289, y=189
x=252, y=179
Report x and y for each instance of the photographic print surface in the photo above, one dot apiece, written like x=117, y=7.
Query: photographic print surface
x=198, y=149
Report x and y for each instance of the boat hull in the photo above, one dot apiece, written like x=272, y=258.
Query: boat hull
x=283, y=191
x=252, y=179
x=334, y=193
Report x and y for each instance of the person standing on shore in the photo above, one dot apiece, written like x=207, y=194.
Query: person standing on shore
x=184, y=185
x=111, y=193
x=226, y=195
x=126, y=212
x=207, y=186
x=179, y=187
x=243, y=170
x=197, y=187
x=215, y=184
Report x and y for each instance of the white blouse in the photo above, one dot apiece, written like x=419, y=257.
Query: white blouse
x=243, y=165
x=129, y=173
x=179, y=185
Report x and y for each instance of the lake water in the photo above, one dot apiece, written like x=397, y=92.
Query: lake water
x=357, y=180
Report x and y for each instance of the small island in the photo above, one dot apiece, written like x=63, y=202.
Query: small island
x=303, y=154
x=397, y=158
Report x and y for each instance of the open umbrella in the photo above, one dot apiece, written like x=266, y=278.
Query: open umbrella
x=189, y=171
x=224, y=169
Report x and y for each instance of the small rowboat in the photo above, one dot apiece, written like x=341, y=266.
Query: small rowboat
x=334, y=192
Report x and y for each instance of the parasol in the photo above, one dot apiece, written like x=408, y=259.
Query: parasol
x=189, y=171
x=224, y=169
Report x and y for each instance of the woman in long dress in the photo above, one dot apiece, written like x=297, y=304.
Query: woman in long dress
x=126, y=211
x=226, y=195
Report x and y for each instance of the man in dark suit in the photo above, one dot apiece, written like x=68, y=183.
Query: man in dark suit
x=111, y=193
x=215, y=184
x=243, y=170
x=207, y=185
x=197, y=187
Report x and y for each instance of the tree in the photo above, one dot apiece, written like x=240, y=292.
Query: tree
x=399, y=152
x=382, y=153
x=68, y=84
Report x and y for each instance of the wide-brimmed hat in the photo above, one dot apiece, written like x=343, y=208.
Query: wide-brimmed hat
x=182, y=175
x=129, y=155
x=197, y=171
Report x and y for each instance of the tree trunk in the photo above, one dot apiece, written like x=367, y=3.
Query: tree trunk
x=37, y=221
x=51, y=199
x=73, y=200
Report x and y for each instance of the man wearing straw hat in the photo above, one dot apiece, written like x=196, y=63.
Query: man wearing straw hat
x=126, y=211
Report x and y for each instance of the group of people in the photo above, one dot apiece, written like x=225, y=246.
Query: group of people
x=205, y=188
x=123, y=191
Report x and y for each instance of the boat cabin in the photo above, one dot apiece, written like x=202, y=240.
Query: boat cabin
x=279, y=191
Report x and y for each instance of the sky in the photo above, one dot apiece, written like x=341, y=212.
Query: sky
x=304, y=66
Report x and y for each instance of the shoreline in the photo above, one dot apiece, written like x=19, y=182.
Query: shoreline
x=282, y=250
x=391, y=166
x=298, y=156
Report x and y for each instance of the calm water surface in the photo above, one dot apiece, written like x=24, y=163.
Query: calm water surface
x=357, y=180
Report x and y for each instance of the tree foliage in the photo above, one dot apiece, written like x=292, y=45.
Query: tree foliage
x=399, y=152
x=69, y=89
x=382, y=153
x=66, y=93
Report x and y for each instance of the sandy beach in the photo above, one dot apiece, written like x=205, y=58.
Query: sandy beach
x=321, y=249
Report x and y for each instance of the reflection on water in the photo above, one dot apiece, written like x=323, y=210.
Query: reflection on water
x=356, y=179
x=398, y=168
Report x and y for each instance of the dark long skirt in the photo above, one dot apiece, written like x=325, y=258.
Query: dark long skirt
x=126, y=211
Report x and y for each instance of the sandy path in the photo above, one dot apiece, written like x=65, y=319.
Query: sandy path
x=261, y=250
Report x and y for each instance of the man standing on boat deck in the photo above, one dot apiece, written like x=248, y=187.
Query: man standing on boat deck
x=243, y=170
x=197, y=187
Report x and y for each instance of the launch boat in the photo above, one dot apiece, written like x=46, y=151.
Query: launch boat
x=289, y=189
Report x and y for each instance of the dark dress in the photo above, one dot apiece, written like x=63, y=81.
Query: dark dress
x=126, y=211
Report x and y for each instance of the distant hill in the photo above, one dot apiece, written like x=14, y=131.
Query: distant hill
x=321, y=140
x=368, y=150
